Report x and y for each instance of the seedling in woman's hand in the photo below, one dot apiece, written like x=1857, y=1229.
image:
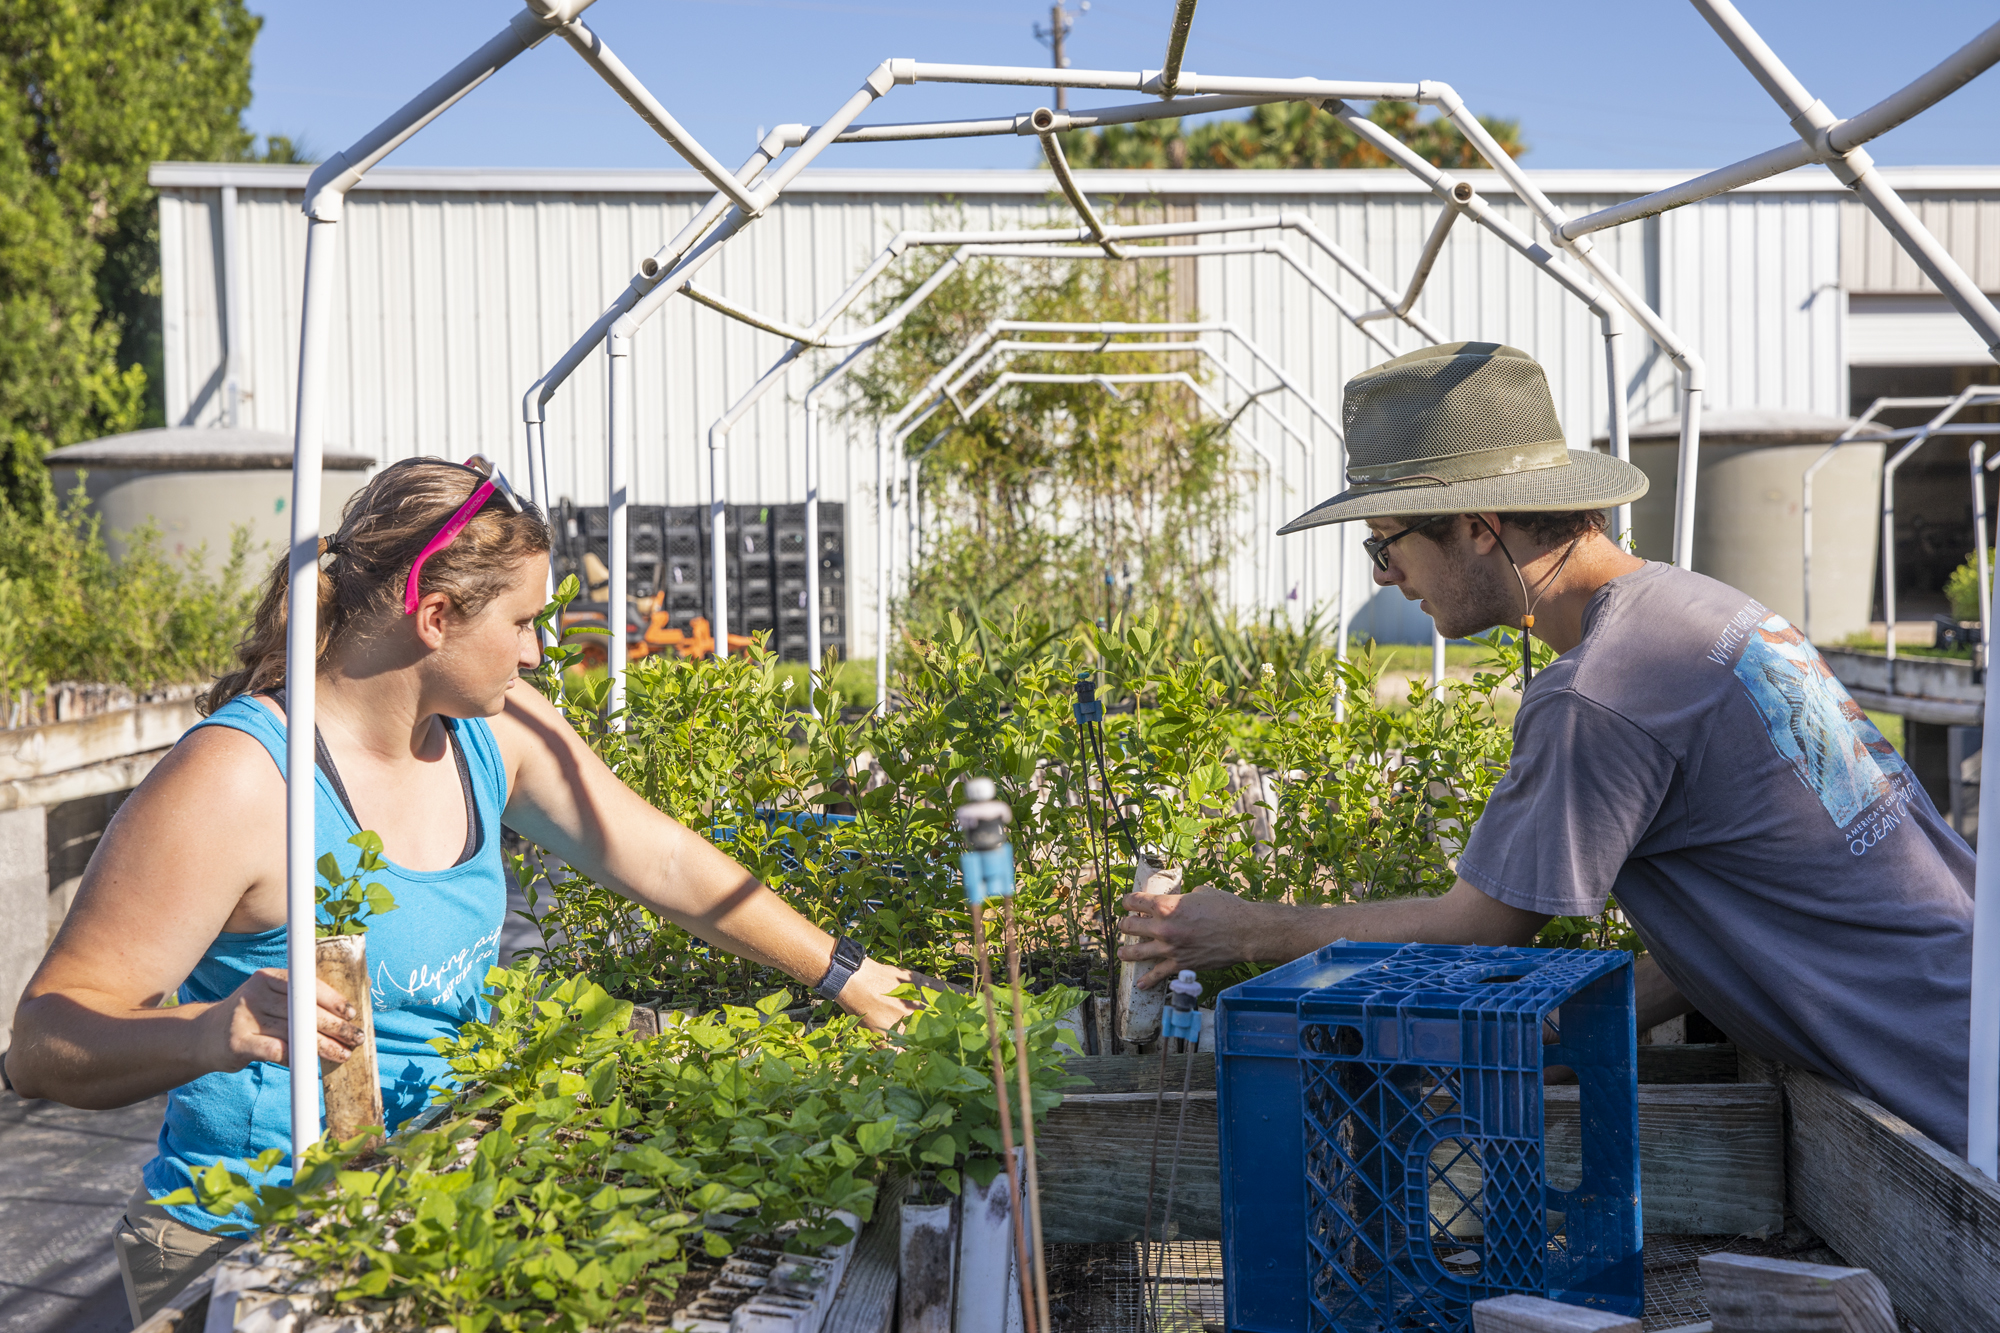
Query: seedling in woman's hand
x=346, y=905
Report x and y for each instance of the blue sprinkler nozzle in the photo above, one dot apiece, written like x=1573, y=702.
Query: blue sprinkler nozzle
x=1181, y=1019
x=1088, y=708
x=988, y=858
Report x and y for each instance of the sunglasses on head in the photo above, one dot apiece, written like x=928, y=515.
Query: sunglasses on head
x=491, y=482
x=1378, y=547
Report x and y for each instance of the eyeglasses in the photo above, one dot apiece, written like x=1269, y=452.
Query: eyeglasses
x=1378, y=547
x=491, y=482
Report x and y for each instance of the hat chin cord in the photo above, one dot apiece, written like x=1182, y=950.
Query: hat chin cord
x=1529, y=603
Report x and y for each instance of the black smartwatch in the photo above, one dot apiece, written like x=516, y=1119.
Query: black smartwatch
x=847, y=960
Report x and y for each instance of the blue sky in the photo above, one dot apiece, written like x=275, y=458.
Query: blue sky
x=1595, y=83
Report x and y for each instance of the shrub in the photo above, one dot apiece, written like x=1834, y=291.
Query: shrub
x=852, y=820
x=586, y=1170
x=1962, y=588
x=68, y=612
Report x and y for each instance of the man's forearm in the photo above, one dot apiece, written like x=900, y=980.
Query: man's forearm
x=1208, y=928
x=1289, y=931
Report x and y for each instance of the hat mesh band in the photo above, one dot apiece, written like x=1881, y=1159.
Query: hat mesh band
x=1442, y=407
x=1465, y=467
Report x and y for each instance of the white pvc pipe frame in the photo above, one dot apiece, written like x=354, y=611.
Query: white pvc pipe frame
x=740, y=199
x=1979, y=468
x=659, y=276
x=1273, y=469
x=1109, y=380
x=944, y=387
x=1005, y=244
x=1460, y=199
x=1917, y=435
x=982, y=341
x=1253, y=397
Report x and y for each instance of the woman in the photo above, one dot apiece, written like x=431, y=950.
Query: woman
x=428, y=737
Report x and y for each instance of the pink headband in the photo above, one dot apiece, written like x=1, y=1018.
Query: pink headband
x=490, y=481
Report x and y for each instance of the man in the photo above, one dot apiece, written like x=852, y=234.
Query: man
x=1687, y=752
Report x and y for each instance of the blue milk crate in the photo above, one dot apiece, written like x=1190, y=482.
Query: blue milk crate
x=1416, y=1182
x=1262, y=1113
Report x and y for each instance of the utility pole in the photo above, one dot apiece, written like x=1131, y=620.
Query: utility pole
x=1060, y=22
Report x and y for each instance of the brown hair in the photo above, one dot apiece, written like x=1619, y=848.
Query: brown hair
x=1550, y=529
x=384, y=527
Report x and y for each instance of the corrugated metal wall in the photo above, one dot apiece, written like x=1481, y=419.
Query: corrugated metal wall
x=459, y=288
x=1967, y=222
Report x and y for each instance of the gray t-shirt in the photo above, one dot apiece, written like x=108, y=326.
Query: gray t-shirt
x=1694, y=757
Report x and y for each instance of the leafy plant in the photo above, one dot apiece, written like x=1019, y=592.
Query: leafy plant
x=584, y=1172
x=1286, y=780
x=68, y=612
x=940, y=1076
x=1962, y=588
x=1065, y=499
x=345, y=905
x=91, y=96
x=1607, y=930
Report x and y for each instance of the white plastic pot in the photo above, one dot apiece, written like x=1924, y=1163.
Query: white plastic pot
x=1139, y=1010
x=989, y=1290
x=1070, y=1032
x=927, y=1260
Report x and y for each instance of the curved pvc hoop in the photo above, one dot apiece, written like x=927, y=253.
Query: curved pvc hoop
x=740, y=200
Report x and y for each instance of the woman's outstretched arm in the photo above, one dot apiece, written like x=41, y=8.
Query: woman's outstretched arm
x=564, y=798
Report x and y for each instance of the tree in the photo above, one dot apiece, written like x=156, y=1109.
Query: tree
x=91, y=93
x=1062, y=500
x=1282, y=134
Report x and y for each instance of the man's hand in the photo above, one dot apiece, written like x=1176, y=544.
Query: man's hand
x=866, y=995
x=1206, y=928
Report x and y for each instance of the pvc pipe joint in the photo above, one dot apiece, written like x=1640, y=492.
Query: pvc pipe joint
x=555, y=13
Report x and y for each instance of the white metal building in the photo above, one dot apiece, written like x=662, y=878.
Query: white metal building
x=461, y=286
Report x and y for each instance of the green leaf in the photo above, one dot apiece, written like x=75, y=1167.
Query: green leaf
x=875, y=1138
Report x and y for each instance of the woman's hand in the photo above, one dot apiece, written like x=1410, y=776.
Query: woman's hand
x=249, y=1024
x=866, y=995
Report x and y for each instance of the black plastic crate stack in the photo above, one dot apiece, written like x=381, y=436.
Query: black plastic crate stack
x=669, y=551
x=751, y=570
x=788, y=537
x=832, y=608
x=788, y=545
x=705, y=519
x=587, y=531
x=687, y=564
x=646, y=549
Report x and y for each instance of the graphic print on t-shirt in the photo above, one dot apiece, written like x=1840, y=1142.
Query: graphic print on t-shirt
x=1819, y=729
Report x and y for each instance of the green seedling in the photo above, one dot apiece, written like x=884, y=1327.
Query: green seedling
x=346, y=906
x=605, y=1163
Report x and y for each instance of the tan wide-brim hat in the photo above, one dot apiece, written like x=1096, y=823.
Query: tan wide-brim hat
x=1464, y=428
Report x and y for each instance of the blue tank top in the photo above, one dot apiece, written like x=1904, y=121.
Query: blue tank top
x=428, y=960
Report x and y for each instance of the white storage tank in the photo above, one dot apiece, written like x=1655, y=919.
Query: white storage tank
x=199, y=484
x=1748, y=529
